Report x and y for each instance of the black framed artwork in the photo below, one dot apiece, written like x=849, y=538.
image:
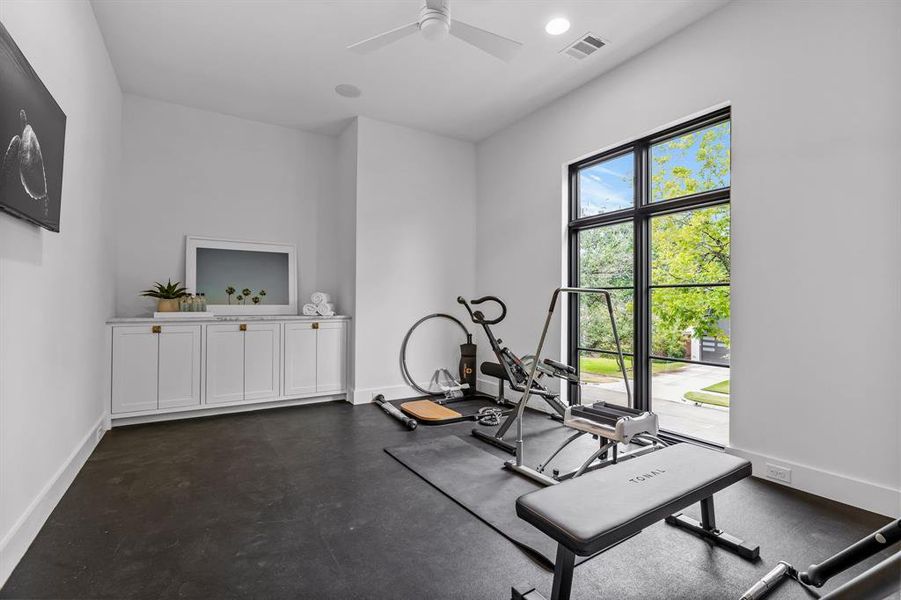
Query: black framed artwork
x=32, y=141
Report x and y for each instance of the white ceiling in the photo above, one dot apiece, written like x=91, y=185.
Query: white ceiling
x=278, y=61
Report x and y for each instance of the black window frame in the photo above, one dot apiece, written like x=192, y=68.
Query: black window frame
x=640, y=214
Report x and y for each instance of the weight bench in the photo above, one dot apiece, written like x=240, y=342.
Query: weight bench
x=628, y=497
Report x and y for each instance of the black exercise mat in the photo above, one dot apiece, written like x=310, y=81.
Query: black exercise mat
x=477, y=481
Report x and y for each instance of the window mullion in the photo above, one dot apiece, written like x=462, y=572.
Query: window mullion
x=641, y=305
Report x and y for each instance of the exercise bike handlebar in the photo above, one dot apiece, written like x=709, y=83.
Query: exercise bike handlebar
x=478, y=317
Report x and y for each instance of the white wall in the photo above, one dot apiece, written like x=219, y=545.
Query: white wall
x=337, y=237
x=816, y=221
x=415, y=246
x=55, y=289
x=336, y=225
x=188, y=171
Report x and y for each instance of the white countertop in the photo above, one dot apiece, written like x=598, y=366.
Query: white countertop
x=223, y=319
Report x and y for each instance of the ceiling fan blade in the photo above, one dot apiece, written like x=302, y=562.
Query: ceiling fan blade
x=495, y=45
x=383, y=39
x=436, y=4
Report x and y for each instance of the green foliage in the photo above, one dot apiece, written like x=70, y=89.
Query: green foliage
x=670, y=178
x=605, y=260
x=255, y=299
x=688, y=247
x=721, y=387
x=705, y=398
x=170, y=291
x=608, y=366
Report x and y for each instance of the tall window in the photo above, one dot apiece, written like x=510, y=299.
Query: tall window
x=650, y=222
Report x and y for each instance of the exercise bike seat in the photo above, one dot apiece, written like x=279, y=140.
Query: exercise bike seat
x=560, y=366
x=494, y=370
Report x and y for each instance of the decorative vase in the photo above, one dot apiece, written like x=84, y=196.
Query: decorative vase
x=167, y=305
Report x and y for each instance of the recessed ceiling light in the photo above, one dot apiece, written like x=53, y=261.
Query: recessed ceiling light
x=557, y=26
x=348, y=91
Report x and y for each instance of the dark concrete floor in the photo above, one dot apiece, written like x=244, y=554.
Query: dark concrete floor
x=304, y=503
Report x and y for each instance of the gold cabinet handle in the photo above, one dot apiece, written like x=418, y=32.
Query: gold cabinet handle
x=315, y=325
x=156, y=329
x=243, y=326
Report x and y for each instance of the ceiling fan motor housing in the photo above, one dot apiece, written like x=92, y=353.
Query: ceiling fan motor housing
x=434, y=24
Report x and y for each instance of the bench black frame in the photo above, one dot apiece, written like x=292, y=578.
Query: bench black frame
x=565, y=563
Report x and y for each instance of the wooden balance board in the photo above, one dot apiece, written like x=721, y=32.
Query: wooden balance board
x=429, y=412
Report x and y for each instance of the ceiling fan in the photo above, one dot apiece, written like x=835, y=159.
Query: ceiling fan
x=435, y=23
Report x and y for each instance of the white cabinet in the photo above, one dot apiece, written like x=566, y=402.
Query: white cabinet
x=135, y=369
x=242, y=362
x=224, y=363
x=179, y=366
x=300, y=359
x=315, y=358
x=331, y=357
x=162, y=366
x=155, y=366
x=261, y=361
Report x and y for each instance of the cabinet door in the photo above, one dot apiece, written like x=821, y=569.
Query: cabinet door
x=261, y=361
x=331, y=357
x=300, y=359
x=224, y=363
x=179, y=372
x=135, y=356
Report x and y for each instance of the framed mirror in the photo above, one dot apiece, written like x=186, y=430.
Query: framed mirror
x=242, y=278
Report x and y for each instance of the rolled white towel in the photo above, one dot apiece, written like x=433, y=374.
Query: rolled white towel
x=325, y=309
x=320, y=298
x=309, y=310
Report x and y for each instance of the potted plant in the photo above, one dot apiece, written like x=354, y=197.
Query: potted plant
x=167, y=295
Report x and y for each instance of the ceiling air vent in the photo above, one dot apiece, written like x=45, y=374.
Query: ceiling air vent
x=585, y=46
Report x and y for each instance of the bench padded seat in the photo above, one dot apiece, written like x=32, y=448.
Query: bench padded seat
x=603, y=507
x=494, y=370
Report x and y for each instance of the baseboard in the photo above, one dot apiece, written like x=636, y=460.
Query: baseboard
x=393, y=392
x=14, y=545
x=841, y=488
x=227, y=409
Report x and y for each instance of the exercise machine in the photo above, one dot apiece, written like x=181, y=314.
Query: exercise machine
x=610, y=424
x=443, y=388
x=515, y=371
x=876, y=583
x=645, y=491
x=442, y=382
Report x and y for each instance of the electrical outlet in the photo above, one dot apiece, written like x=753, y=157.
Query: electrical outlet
x=783, y=474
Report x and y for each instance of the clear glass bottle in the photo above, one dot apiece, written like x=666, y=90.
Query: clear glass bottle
x=202, y=302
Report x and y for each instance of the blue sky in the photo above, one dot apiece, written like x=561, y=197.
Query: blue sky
x=606, y=186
